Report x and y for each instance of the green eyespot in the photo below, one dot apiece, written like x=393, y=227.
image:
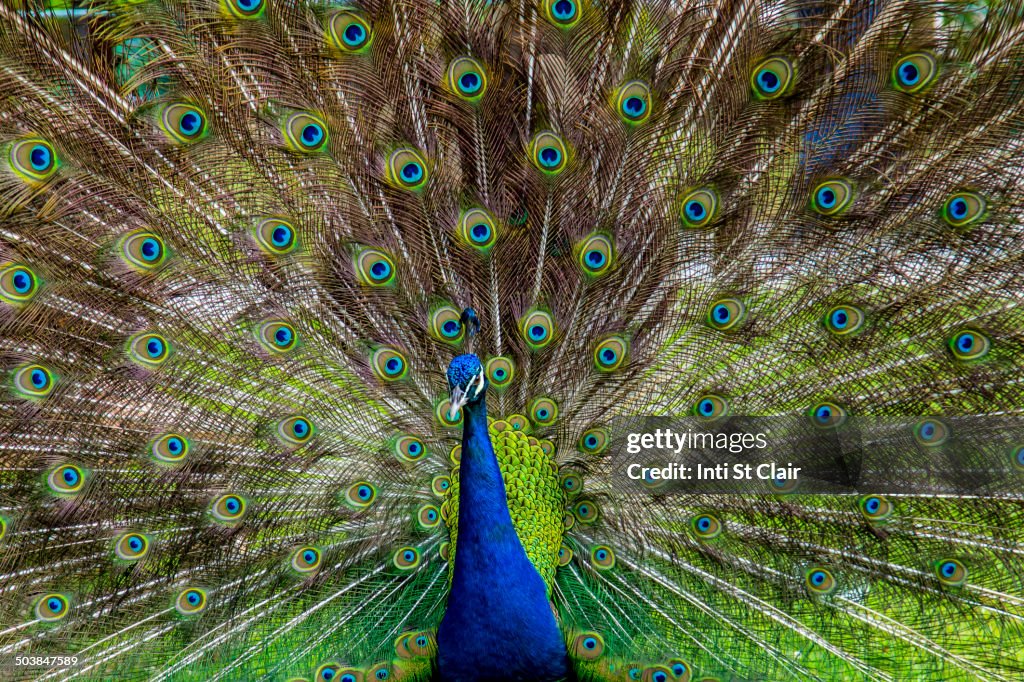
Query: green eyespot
x=587, y=646
x=409, y=448
x=711, y=407
x=245, y=9
x=548, y=153
x=446, y=324
x=706, y=526
x=169, y=449
x=467, y=79
x=360, y=495
x=33, y=381
x=950, y=572
x=34, y=160
x=602, y=557
x=543, y=411
x=349, y=32
x=306, y=559
x=428, y=516
x=407, y=169
x=374, y=267
x=143, y=250
x=826, y=415
x=931, y=432
x=537, y=328
x=968, y=344
x=875, y=508
x=295, y=431
x=389, y=364
x=440, y=485
x=305, y=132
x=611, y=353
x=228, y=508
x=52, y=607
x=18, y=284
x=726, y=313
x=190, y=601
x=832, y=197
x=278, y=336
x=772, y=78
x=562, y=13
x=699, y=207
x=914, y=72
x=844, y=320
x=149, y=350
x=819, y=581
x=275, y=236
x=183, y=123
x=499, y=371
x=633, y=102
x=593, y=441
x=595, y=254
x=131, y=547
x=406, y=558
x=586, y=511
x=478, y=228
x=66, y=479
x=964, y=208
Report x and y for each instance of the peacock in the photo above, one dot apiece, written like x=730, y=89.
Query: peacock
x=323, y=324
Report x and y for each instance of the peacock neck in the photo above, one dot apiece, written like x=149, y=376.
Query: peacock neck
x=498, y=623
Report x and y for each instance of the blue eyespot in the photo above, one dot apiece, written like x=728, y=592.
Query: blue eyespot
x=70, y=476
x=190, y=123
x=39, y=378
x=768, y=81
x=55, y=605
x=300, y=427
x=480, y=233
x=601, y=554
x=634, y=107
x=678, y=669
x=538, y=332
x=175, y=445
x=364, y=492
x=958, y=208
x=348, y=678
x=595, y=258
x=590, y=441
x=872, y=505
x=393, y=366
x=22, y=281
x=589, y=643
x=826, y=197
x=354, y=35
x=380, y=270
x=608, y=356
x=282, y=235
x=909, y=74
x=839, y=318
x=412, y=172
x=550, y=157
x=40, y=158
x=706, y=406
x=818, y=577
x=154, y=347
x=563, y=10
x=312, y=134
x=469, y=82
x=695, y=210
x=721, y=313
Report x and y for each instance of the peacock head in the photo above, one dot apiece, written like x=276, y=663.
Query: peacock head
x=466, y=381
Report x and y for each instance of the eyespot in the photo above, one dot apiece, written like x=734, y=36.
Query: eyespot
x=543, y=411
x=295, y=430
x=914, y=72
x=446, y=324
x=183, y=123
x=593, y=441
x=844, y=320
x=52, y=607
x=875, y=507
x=467, y=79
x=548, y=152
x=228, y=508
x=571, y=482
x=819, y=581
x=586, y=511
x=374, y=267
x=633, y=102
x=564, y=555
x=66, y=479
x=771, y=79
x=190, y=601
x=131, y=547
x=546, y=446
x=332, y=672
x=562, y=13
x=478, y=228
x=699, y=208
x=537, y=328
x=34, y=381
x=245, y=9
x=1018, y=458
x=680, y=669
x=499, y=371
x=518, y=422
x=389, y=364
x=781, y=485
x=726, y=313
x=360, y=495
x=409, y=448
x=441, y=414
x=588, y=646
x=407, y=169
x=379, y=672
x=428, y=516
x=406, y=558
x=149, y=349
x=611, y=353
x=422, y=644
x=18, y=284
x=305, y=132
x=439, y=485
x=455, y=454
x=143, y=251
x=34, y=160
x=169, y=449
x=602, y=557
x=964, y=208
x=306, y=559
x=826, y=415
x=276, y=236
x=349, y=32
x=969, y=345
x=595, y=254
x=444, y=551
x=711, y=407
x=951, y=572
x=657, y=673
x=931, y=432
x=706, y=526
x=278, y=336
x=832, y=197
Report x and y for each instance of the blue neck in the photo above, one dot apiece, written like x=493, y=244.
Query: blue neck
x=498, y=624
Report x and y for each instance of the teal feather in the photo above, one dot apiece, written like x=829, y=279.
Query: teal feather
x=237, y=238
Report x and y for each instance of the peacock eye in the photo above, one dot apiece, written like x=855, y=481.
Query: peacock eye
x=500, y=371
x=407, y=169
x=969, y=345
x=819, y=581
x=951, y=572
x=548, y=152
x=389, y=364
x=771, y=79
x=875, y=507
x=52, y=607
x=349, y=32
x=593, y=441
x=144, y=251
x=131, y=547
x=711, y=407
x=169, y=449
x=409, y=448
x=228, y=508
x=183, y=123
x=246, y=9
x=699, y=207
x=66, y=479
x=477, y=227
x=931, y=432
x=537, y=328
x=275, y=236
x=586, y=511
x=914, y=72
x=832, y=197
x=328, y=672
x=562, y=13
x=427, y=517
x=295, y=431
x=964, y=208
x=543, y=411
x=611, y=353
x=633, y=102
x=277, y=336
x=588, y=646
x=360, y=495
x=18, y=284
x=306, y=559
x=33, y=381
x=446, y=324
x=406, y=558
x=190, y=601
x=305, y=132
x=602, y=557
x=33, y=160
x=844, y=320
x=706, y=526
x=827, y=414
x=726, y=313
x=467, y=79
x=679, y=668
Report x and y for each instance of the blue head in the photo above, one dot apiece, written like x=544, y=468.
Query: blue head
x=466, y=381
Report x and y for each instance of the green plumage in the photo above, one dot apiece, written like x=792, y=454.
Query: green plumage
x=236, y=239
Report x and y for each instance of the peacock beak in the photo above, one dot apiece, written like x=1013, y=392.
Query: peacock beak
x=461, y=396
